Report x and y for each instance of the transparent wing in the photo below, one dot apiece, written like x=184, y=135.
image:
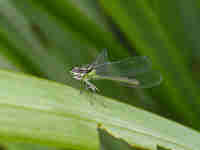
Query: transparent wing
x=101, y=58
x=133, y=72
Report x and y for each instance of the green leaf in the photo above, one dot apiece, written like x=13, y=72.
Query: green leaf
x=46, y=47
x=47, y=38
x=152, y=37
x=74, y=14
x=44, y=112
x=109, y=142
x=25, y=146
x=35, y=40
x=162, y=148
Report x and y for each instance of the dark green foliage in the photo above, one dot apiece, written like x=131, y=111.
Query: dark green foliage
x=47, y=38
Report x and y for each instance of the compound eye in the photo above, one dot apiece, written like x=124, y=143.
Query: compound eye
x=75, y=69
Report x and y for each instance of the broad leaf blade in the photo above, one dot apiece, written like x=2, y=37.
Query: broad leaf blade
x=109, y=142
x=39, y=111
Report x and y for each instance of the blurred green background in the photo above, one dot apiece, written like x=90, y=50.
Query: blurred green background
x=47, y=38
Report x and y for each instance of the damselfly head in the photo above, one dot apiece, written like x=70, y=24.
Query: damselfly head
x=75, y=70
x=79, y=72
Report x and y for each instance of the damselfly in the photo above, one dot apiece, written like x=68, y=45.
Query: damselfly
x=133, y=72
